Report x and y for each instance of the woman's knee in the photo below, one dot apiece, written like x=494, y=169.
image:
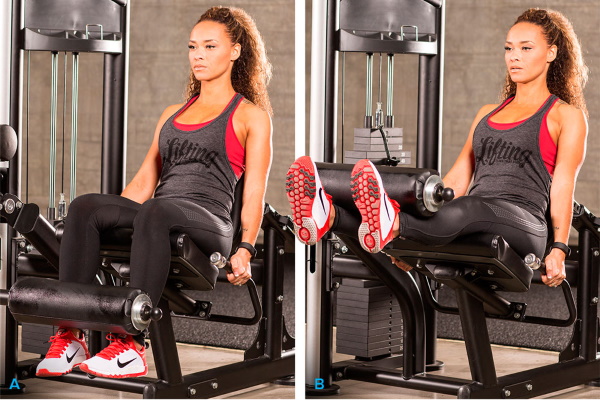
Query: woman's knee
x=153, y=214
x=86, y=204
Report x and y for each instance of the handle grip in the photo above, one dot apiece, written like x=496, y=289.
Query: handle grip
x=533, y=262
x=220, y=262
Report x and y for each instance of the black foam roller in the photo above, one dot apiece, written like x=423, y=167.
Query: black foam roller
x=405, y=185
x=74, y=305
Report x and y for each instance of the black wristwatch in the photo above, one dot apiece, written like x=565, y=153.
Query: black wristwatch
x=561, y=246
x=249, y=247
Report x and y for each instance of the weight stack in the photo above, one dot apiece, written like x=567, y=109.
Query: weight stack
x=34, y=338
x=368, y=319
x=370, y=145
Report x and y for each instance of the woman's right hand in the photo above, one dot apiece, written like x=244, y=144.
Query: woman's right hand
x=401, y=264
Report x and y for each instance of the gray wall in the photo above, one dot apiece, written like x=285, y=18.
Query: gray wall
x=474, y=72
x=157, y=77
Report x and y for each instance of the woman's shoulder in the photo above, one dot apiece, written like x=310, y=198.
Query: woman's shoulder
x=248, y=112
x=567, y=112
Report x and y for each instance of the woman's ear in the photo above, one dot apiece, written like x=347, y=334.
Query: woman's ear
x=236, y=51
x=552, y=52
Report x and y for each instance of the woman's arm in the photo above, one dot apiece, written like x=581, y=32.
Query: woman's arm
x=460, y=175
x=571, y=152
x=143, y=184
x=258, y=162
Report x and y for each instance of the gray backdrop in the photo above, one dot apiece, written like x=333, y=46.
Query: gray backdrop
x=473, y=76
x=158, y=74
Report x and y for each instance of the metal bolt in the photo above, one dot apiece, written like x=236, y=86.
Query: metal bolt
x=25, y=374
x=493, y=287
x=517, y=315
x=336, y=245
x=19, y=204
x=192, y=392
x=204, y=305
x=596, y=253
x=214, y=385
x=280, y=298
x=473, y=272
x=336, y=285
x=344, y=249
x=339, y=375
x=594, y=300
x=22, y=244
x=285, y=339
x=281, y=252
x=529, y=387
x=175, y=270
x=29, y=248
x=9, y=206
x=202, y=314
x=495, y=244
x=506, y=392
x=1, y=206
x=519, y=307
x=490, y=272
x=180, y=241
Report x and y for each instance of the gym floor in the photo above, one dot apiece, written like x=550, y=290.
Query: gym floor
x=452, y=352
x=193, y=358
x=508, y=360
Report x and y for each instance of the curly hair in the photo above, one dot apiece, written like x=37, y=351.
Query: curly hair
x=251, y=72
x=567, y=74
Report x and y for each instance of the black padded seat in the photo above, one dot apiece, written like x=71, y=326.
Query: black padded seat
x=483, y=259
x=190, y=267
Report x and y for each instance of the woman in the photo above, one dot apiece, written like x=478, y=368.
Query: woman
x=200, y=150
x=520, y=161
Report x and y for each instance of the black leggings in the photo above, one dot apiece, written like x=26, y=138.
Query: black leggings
x=463, y=216
x=152, y=222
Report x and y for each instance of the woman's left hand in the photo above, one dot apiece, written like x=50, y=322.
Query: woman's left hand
x=555, y=268
x=240, y=264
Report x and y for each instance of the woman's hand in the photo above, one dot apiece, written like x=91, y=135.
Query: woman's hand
x=240, y=264
x=555, y=268
x=401, y=264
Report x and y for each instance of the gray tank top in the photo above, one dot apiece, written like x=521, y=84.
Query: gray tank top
x=509, y=164
x=195, y=165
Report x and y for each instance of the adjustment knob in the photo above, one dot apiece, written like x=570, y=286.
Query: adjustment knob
x=448, y=194
x=148, y=312
x=442, y=194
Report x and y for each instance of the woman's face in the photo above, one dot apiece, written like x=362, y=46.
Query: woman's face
x=211, y=51
x=527, y=54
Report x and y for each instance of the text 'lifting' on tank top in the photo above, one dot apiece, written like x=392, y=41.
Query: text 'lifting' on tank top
x=509, y=164
x=195, y=165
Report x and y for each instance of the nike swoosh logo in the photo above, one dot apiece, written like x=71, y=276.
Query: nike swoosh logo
x=69, y=359
x=123, y=365
x=386, y=207
x=321, y=198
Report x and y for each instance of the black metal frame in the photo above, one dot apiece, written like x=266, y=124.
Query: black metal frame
x=272, y=354
x=578, y=363
x=430, y=51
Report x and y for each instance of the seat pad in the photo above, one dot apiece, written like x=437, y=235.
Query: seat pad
x=487, y=258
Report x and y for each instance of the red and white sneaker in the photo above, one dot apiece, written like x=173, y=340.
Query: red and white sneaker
x=377, y=210
x=311, y=206
x=66, y=352
x=120, y=359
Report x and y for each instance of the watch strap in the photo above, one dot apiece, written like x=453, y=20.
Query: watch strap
x=561, y=246
x=249, y=247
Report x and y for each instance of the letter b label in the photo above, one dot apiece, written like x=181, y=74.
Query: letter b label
x=319, y=383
